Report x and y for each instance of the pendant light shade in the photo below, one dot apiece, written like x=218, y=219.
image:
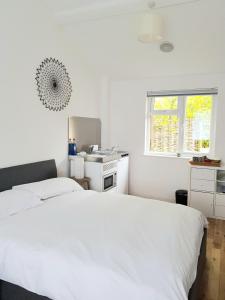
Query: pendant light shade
x=151, y=28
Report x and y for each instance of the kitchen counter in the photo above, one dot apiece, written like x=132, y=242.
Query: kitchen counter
x=104, y=156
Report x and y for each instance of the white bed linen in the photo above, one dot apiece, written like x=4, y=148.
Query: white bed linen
x=13, y=202
x=90, y=246
x=50, y=187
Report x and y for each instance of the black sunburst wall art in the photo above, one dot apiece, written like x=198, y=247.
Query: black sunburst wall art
x=54, y=86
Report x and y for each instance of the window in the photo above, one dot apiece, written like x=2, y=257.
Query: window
x=180, y=123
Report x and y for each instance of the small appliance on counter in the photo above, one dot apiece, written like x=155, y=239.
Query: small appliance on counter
x=92, y=148
x=103, y=175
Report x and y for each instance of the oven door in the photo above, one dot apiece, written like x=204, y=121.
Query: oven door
x=109, y=181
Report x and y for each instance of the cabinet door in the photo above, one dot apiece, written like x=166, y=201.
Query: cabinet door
x=122, y=175
x=220, y=199
x=202, y=202
x=220, y=211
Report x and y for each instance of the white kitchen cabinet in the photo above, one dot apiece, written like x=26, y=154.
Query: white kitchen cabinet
x=203, y=202
x=123, y=175
x=207, y=191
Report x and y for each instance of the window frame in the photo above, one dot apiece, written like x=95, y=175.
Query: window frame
x=180, y=113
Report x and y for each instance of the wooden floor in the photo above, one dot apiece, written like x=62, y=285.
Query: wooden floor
x=213, y=282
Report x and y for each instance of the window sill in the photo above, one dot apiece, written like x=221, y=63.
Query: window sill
x=149, y=154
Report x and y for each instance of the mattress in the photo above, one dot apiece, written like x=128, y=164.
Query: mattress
x=87, y=245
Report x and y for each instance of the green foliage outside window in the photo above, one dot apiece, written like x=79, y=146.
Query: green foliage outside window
x=197, y=122
x=166, y=103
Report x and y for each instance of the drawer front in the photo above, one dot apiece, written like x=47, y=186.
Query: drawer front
x=220, y=211
x=220, y=199
x=204, y=174
x=202, y=185
x=202, y=202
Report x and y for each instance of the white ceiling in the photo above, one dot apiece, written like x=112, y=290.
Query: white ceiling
x=110, y=45
x=69, y=11
x=64, y=5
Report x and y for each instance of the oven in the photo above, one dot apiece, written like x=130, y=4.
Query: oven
x=109, y=181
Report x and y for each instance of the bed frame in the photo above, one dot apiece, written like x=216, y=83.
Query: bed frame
x=38, y=171
x=28, y=173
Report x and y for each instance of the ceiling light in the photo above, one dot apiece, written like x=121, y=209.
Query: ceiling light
x=166, y=47
x=151, y=27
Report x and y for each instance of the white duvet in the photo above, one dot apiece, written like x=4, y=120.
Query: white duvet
x=90, y=246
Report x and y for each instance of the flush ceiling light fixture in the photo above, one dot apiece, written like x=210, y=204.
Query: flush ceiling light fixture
x=152, y=26
x=166, y=47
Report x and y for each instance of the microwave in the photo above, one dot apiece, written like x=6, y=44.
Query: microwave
x=109, y=181
x=103, y=176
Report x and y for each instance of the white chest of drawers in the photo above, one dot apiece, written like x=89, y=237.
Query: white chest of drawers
x=207, y=191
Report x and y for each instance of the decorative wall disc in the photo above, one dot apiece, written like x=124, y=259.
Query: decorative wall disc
x=54, y=86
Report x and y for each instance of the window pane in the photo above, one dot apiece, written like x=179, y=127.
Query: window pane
x=165, y=103
x=164, y=133
x=197, y=123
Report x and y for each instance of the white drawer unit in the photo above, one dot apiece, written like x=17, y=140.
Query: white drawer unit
x=202, y=185
x=207, y=191
x=203, y=202
x=203, y=174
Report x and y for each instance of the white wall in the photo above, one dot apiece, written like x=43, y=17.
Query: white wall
x=28, y=131
x=155, y=177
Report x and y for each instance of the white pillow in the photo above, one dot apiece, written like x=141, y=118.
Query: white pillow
x=51, y=187
x=12, y=202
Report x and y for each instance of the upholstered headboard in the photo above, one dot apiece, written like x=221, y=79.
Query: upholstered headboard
x=27, y=173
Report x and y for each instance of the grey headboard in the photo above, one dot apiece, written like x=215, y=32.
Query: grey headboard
x=27, y=173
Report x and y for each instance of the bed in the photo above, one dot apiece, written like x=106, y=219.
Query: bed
x=16, y=289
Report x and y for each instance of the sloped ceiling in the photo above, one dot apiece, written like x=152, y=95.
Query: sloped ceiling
x=109, y=42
